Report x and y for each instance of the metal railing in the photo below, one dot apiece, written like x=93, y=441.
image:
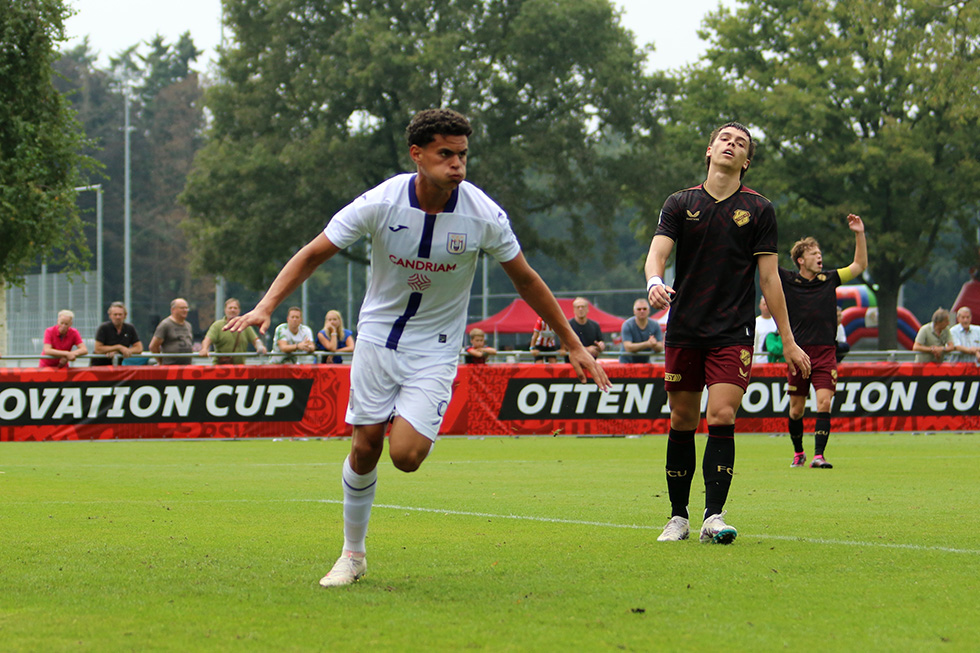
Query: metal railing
x=501, y=357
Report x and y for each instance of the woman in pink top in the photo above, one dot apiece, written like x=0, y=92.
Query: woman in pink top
x=59, y=340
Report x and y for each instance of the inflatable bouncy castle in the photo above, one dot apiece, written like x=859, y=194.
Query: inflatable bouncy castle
x=860, y=317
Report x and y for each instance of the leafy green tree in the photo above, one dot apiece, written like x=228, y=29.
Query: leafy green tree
x=865, y=106
x=167, y=118
x=313, y=99
x=41, y=143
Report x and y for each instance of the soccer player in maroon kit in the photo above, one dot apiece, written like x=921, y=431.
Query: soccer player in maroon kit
x=811, y=298
x=722, y=232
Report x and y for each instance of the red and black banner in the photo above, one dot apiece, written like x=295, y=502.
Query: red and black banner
x=311, y=400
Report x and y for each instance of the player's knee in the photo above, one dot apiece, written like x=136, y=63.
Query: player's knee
x=408, y=460
x=366, y=449
x=723, y=415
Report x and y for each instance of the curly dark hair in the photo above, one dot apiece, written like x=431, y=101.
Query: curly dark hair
x=425, y=125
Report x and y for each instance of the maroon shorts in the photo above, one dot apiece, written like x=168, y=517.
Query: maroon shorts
x=689, y=370
x=823, y=371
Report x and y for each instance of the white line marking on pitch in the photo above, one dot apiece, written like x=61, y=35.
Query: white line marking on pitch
x=553, y=520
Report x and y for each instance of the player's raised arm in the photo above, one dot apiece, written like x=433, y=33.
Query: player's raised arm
x=860, y=263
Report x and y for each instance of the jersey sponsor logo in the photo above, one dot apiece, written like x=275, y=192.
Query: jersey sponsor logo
x=693, y=215
x=672, y=377
x=419, y=282
x=741, y=217
x=426, y=266
x=396, y=228
x=456, y=243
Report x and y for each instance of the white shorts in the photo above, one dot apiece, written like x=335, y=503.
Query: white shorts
x=417, y=387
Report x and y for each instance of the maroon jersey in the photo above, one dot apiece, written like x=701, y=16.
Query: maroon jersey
x=812, y=306
x=715, y=245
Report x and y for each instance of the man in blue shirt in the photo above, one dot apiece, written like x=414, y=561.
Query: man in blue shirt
x=641, y=335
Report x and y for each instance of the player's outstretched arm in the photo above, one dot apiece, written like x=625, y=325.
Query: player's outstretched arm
x=297, y=270
x=536, y=293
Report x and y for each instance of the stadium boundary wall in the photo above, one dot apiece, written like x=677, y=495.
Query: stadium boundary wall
x=524, y=399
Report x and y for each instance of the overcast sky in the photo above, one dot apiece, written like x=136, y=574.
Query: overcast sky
x=114, y=25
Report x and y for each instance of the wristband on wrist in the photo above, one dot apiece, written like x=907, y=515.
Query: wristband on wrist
x=655, y=280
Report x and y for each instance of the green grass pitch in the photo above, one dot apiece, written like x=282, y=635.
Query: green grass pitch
x=499, y=544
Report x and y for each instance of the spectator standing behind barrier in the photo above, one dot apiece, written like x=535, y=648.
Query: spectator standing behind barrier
x=478, y=352
x=226, y=342
x=333, y=337
x=811, y=299
x=174, y=334
x=933, y=341
x=543, y=343
x=116, y=338
x=966, y=338
x=842, y=347
x=411, y=323
x=588, y=331
x=293, y=337
x=62, y=341
x=640, y=333
x=774, y=348
x=764, y=325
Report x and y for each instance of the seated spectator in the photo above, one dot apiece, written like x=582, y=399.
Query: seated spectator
x=228, y=342
x=478, y=352
x=543, y=342
x=933, y=341
x=116, y=339
x=966, y=338
x=293, y=337
x=641, y=334
x=334, y=337
x=63, y=342
x=174, y=334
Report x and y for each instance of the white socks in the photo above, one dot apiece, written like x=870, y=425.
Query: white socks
x=358, y=499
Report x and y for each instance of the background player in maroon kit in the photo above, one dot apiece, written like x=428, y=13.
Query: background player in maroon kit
x=811, y=298
x=722, y=232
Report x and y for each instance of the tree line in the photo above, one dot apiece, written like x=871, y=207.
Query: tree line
x=865, y=107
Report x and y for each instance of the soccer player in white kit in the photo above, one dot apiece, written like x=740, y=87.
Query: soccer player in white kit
x=427, y=231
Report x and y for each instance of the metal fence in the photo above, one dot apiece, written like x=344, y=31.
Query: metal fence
x=33, y=308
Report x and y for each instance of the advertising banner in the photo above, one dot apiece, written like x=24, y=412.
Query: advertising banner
x=179, y=401
x=311, y=400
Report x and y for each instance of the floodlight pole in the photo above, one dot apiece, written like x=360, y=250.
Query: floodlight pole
x=127, y=217
x=98, y=240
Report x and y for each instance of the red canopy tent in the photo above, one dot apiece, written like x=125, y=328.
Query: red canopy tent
x=518, y=317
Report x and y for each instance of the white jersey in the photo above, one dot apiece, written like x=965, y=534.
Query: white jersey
x=763, y=327
x=422, y=265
